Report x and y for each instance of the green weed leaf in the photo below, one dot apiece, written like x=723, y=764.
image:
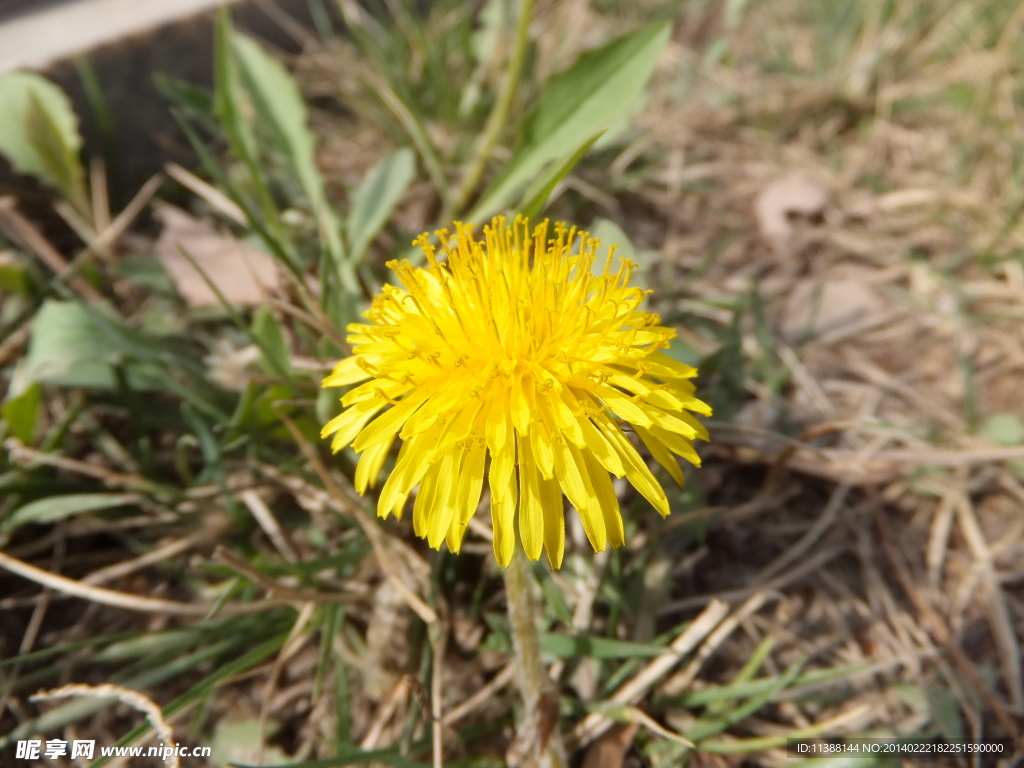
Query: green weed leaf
x=280, y=107
x=588, y=97
x=73, y=347
x=580, y=646
x=39, y=133
x=55, y=508
x=376, y=197
x=21, y=413
x=536, y=197
x=268, y=333
x=1003, y=429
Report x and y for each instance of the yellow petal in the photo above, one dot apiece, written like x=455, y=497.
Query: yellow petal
x=497, y=419
x=543, y=453
x=664, y=367
x=471, y=480
x=519, y=408
x=575, y=483
x=462, y=425
x=554, y=521
x=678, y=445
x=607, y=500
x=346, y=372
x=566, y=419
x=387, y=424
x=348, y=423
x=601, y=448
x=392, y=389
x=668, y=421
x=439, y=516
x=424, y=501
x=503, y=510
x=531, y=510
x=370, y=464
x=661, y=454
x=623, y=406
x=443, y=399
x=413, y=461
x=637, y=472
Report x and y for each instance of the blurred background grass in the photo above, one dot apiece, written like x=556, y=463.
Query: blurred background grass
x=825, y=198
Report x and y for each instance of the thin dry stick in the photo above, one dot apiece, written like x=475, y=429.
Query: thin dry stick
x=135, y=602
x=936, y=627
x=682, y=680
x=127, y=696
x=21, y=229
x=999, y=615
x=158, y=555
x=384, y=713
x=296, y=639
x=938, y=538
x=100, y=193
x=124, y=219
x=217, y=199
x=810, y=538
x=255, y=504
x=373, y=533
x=634, y=689
x=495, y=684
x=35, y=622
x=797, y=572
x=273, y=587
x=23, y=455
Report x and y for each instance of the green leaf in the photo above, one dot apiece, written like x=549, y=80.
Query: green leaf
x=610, y=233
x=556, y=600
x=376, y=198
x=20, y=413
x=280, y=107
x=746, y=688
x=228, y=92
x=55, y=508
x=13, y=276
x=535, y=199
x=72, y=346
x=270, y=337
x=588, y=97
x=1003, y=429
x=710, y=725
x=566, y=647
x=39, y=133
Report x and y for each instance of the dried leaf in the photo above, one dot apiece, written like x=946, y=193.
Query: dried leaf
x=833, y=306
x=242, y=273
x=792, y=194
x=609, y=751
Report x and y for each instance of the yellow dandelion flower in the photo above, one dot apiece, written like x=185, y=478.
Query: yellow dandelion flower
x=519, y=348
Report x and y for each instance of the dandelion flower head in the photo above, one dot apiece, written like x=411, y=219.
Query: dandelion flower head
x=518, y=356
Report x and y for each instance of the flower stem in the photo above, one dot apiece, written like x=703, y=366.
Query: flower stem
x=498, y=118
x=539, y=729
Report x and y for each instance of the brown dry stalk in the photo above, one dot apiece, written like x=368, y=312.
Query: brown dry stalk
x=22, y=230
x=937, y=628
x=634, y=689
